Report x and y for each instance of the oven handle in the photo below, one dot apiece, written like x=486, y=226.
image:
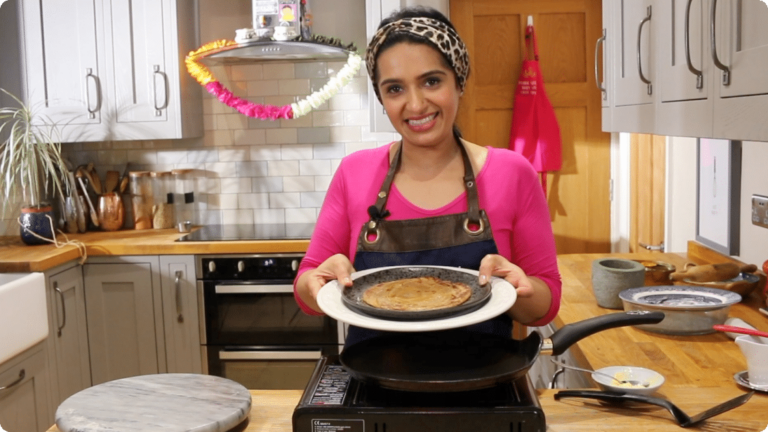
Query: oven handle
x=254, y=289
x=270, y=355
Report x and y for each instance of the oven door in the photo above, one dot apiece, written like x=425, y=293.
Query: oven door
x=267, y=368
x=255, y=333
x=262, y=313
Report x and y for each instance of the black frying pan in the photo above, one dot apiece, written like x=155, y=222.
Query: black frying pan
x=456, y=360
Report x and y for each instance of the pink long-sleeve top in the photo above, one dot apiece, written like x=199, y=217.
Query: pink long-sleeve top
x=509, y=192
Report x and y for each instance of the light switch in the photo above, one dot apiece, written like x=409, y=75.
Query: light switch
x=760, y=210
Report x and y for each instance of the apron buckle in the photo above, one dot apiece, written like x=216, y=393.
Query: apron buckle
x=368, y=232
x=479, y=230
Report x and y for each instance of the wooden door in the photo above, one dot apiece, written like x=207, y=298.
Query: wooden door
x=578, y=194
x=647, y=186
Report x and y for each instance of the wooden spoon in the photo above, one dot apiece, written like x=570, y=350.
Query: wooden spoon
x=112, y=181
x=742, y=330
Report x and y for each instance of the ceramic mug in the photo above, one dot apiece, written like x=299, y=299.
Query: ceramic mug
x=755, y=350
x=610, y=276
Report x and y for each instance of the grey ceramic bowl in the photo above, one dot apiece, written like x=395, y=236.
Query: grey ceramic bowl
x=689, y=310
x=352, y=297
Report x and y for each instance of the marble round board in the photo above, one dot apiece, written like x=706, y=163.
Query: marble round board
x=157, y=403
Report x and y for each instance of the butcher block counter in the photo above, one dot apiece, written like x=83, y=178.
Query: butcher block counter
x=698, y=369
x=18, y=257
x=271, y=411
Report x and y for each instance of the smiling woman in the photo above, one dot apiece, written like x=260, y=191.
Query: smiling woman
x=432, y=198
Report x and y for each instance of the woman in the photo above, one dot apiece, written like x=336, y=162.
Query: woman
x=418, y=201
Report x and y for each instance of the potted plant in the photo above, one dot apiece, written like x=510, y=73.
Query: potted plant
x=31, y=168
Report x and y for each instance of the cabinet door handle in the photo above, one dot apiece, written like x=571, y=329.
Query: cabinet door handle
x=553, y=383
x=63, y=308
x=157, y=72
x=726, y=70
x=600, y=42
x=90, y=76
x=22, y=374
x=639, y=60
x=699, y=76
x=180, y=317
x=658, y=247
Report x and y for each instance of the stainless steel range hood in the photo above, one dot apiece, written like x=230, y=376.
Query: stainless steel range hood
x=269, y=50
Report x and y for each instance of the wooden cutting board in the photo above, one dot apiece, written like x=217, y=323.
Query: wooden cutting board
x=162, y=402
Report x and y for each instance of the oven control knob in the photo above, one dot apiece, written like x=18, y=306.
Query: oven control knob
x=295, y=265
x=240, y=266
x=211, y=267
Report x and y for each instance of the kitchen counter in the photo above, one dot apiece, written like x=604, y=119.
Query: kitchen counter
x=698, y=369
x=18, y=257
x=271, y=411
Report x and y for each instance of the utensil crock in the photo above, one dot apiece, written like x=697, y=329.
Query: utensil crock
x=111, y=211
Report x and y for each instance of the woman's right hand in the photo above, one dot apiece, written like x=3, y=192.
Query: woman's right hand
x=337, y=267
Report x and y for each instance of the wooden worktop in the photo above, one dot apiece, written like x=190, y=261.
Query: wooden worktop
x=15, y=256
x=698, y=369
x=685, y=361
x=272, y=410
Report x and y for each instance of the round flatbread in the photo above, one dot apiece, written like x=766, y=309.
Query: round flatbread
x=417, y=294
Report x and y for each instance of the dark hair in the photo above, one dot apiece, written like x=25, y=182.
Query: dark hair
x=396, y=38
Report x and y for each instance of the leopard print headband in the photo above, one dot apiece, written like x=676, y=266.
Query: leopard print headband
x=440, y=35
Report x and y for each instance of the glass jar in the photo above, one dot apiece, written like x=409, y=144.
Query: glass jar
x=141, y=199
x=162, y=207
x=184, y=201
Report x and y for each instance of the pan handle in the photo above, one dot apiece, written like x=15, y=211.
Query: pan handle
x=562, y=339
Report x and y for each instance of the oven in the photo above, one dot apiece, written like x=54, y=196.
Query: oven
x=252, y=330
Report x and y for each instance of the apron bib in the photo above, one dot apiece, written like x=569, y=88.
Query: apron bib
x=455, y=240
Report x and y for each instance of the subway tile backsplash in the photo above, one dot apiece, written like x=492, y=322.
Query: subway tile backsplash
x=254, y=171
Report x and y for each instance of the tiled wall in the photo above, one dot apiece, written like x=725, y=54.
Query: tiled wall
x=258, y=171
x=255, y=171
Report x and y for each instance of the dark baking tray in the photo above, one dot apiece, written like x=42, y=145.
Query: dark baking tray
x=352, y=296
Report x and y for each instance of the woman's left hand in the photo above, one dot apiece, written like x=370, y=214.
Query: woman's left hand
x=497, y=265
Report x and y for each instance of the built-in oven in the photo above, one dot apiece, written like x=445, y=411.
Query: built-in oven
x=252, y=330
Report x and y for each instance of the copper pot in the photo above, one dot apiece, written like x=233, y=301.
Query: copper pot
x=111, y=211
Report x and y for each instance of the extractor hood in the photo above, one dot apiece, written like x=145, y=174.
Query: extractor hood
x=281, y=31
x=270, y=50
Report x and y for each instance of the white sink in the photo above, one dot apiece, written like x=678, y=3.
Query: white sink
x=23, y=314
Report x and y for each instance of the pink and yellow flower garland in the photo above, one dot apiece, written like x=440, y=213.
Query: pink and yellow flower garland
x=295, y=110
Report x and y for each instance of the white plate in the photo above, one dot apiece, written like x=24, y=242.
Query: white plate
x=503, y=296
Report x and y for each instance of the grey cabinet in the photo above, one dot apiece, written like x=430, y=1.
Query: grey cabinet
x=180, y=314
x=69, y=361
x=142, y=316
x=110, y=70
x=24, y=397
x=125, y=328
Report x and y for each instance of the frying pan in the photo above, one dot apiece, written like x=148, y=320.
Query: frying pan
x=458, y=360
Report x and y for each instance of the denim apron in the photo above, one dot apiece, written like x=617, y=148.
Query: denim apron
x=455, y=240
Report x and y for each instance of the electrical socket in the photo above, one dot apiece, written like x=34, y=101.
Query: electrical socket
x=760, y=210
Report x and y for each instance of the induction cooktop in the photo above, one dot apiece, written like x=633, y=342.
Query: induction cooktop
x=334, y=401
x=278, y=231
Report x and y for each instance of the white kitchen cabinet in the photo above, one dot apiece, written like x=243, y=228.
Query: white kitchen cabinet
x=685, y=98
x=700, y=91
x=24, y=395
x=604, y=52
x=741, y=32
x=111, y=70
x=633, y=62
x=125, y=322
x=69, y=358
x=180, y=313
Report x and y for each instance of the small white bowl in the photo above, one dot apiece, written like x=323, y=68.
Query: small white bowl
x=654, y=379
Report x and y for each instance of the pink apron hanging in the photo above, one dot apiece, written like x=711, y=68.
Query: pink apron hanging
x=535, y=133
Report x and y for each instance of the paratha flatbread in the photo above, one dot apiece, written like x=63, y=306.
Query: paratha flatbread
x=417, y=294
